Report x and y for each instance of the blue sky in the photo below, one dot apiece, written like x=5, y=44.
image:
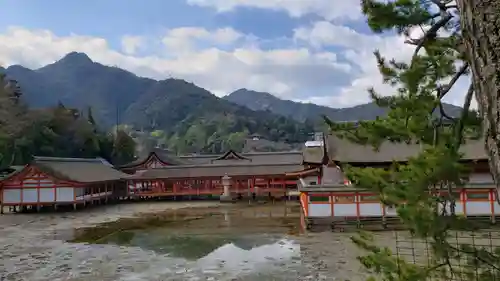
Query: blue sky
x=313, y=50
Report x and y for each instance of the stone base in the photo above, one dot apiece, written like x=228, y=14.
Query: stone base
x=226, y=198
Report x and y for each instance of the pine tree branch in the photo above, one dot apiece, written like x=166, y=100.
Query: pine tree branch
x=432, y=32
x=443, y=90
x=441, y=5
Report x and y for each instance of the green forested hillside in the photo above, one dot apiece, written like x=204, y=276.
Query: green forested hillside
x=194, y=120
x=188, y=118
x=304, y=111
x=56, y=131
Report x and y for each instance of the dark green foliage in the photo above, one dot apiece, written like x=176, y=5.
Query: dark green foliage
x=58, y=131
x=413, y=187
x=123, y=148
x=194, y=120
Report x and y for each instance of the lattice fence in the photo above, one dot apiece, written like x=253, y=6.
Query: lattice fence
x=469, y=266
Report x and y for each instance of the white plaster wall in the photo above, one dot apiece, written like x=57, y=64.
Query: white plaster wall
x=459, y=208
x=344, y=210
x=30, y=195
x=478, y=208
x=311, y=179
x=390, y=212
x=30, y=183
x=47, y=195
x=496, y=207
x=480, y=178
x=320, y=210
x=46, y=183
x=65, y=194
x=11, y=196
x=370, y=210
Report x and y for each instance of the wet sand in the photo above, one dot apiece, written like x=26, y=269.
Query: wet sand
x=33, y=246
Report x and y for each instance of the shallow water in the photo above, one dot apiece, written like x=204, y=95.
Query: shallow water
x=154, y=241
x=234, y=241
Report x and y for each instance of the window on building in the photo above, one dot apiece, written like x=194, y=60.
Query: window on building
x=344, y=199
x=455, y=194
x=369, y=198
x=318, y=198
x=476, y=196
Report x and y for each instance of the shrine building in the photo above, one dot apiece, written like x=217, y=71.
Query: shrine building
x=51, y=181
x=335, y=199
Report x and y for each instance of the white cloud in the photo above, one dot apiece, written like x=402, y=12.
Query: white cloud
x=334, y=65
x=358, y=49
x=182, y=39
x=130, y=44
x=281, y=71
x=328, y=9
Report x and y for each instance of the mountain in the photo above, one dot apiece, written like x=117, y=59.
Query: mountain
x=189, y=118
x=308, y=111
x=182, y=116
x=78, y=82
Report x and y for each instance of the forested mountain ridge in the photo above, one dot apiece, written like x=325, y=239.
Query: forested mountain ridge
x=183, y=117
x=78, y=82
x=304, y=111
x=53, y=131
x=188, y=118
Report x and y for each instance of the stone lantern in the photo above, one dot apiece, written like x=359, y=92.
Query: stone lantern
x=226, y=184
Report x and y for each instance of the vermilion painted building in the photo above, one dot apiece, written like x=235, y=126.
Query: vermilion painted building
x=259, y=173
x=61, y=181
x=334, y=198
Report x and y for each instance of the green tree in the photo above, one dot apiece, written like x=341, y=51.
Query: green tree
x=123, y=149
x=13, y=120
x=438, y=62
x=236, y=141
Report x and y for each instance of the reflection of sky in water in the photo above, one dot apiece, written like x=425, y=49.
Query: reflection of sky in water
x=192, y=255
x=231, y=258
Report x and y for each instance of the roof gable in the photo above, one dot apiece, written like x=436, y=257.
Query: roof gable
x=82, y=170
x=231, y=155
x=283, y=157
x=164, y=157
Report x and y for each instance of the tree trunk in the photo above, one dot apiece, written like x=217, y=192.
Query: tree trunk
x=480, y=23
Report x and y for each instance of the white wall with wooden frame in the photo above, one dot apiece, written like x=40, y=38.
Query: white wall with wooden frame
x=474, y=200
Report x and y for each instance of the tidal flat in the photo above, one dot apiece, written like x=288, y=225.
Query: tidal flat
x=175, y=241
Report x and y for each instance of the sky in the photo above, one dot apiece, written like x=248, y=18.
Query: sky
x=318, y=51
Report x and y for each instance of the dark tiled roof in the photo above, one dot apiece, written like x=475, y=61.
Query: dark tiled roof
x=215, y=170
x=164, y=156
x=305, y=172
x=284, y=157
x=7, y=172
x=287, y=157
x=231, y=155
x=83, y=170
x=313, y=155
x=344, y=151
